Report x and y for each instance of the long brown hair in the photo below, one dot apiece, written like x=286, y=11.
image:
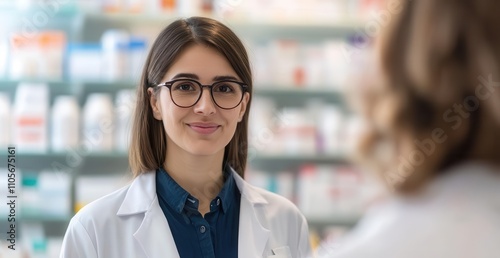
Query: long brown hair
x=437, y=102
x=148, y=143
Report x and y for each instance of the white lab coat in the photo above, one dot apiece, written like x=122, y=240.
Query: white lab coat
x=130, y=223
x=457, y=215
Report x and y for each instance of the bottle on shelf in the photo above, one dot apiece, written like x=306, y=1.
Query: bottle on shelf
x=98, y=123
x=84, y=61
x=137, y=57
x=115, y=44
x=124, y=108
x=30, y=117
x=39, y=56
x=65, y=126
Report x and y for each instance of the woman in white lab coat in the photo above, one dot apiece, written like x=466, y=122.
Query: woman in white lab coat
x=188, y=154
x=433, y=122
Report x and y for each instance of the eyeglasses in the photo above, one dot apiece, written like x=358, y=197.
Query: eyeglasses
x=185, y=93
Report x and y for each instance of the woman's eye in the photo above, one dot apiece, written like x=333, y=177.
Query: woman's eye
x=223, y=88
x=185, y=87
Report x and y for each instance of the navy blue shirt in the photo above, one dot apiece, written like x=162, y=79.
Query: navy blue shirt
x=216, y=234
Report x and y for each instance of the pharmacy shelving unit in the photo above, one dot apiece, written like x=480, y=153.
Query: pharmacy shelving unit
x=89, y=28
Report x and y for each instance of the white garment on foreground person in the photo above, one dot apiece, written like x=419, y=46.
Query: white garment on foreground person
x=130, y=223
x=456, y=216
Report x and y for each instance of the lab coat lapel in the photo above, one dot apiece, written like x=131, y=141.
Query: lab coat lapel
x=252, y=235
x=153, y=234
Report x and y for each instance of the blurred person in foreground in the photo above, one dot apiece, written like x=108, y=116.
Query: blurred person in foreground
x=433, y=125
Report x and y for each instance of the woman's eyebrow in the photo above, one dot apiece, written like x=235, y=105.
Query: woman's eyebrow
x=186, y=75
x=195, y=77
x=225, y=77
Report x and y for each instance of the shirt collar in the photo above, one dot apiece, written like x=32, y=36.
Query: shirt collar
x=227, y=193
x=176, y=197
x=173, y=194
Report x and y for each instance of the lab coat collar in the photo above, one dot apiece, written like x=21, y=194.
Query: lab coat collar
x=154, y=234
x=140, y=196
x=247, y=191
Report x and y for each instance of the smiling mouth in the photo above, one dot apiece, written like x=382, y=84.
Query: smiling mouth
x=204, y=128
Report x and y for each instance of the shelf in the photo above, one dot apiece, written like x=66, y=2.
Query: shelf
x=44, y=218
x=257, y=30
x=61, y=83
x=294, y=159
x=303, y=30
x=247, y=24
x=294, y=96
x=279, y=163
x=61, y=155
x=39, y=218
x=75, y=161
x=336, y=220
x=287, y=91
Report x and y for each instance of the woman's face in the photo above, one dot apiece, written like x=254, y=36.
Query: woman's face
x=203, y=129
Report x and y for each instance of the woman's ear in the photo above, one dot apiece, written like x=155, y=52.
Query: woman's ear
x=155, y=104
x=243, y=107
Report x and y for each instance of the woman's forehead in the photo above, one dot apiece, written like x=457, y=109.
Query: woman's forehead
x=200, y=62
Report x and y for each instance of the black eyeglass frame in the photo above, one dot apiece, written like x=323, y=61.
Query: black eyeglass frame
x=244, y=88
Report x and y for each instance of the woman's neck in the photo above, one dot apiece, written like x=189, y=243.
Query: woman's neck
x=201, y=176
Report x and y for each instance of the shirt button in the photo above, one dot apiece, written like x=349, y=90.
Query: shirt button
x=218, y=202
x=202, y=229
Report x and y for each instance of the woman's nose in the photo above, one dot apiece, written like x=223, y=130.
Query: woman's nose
x=205, y=105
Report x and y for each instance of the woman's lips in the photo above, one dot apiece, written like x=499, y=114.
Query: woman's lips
x=203, y=128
